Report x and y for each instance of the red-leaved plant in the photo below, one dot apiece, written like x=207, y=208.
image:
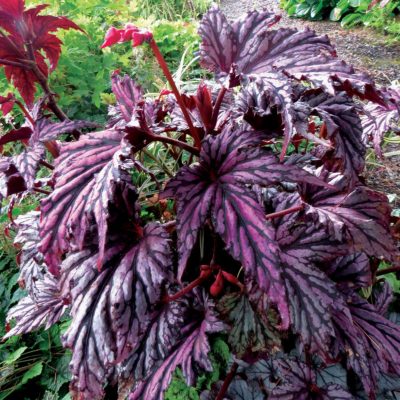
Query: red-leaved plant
x=267, y=249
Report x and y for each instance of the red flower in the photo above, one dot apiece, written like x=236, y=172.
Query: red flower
x=129, y=33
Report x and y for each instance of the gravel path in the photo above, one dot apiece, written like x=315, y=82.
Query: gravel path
x=365, y=49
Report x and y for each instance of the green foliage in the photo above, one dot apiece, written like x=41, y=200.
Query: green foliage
x=179, y=390
x=35, y=363
x=82, y=56
x=173, y=9
x=350, y=13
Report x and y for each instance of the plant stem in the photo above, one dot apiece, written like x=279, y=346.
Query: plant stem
x=45, y=86
x=217, y=106
x=13, y=63
x=38, y=190
x=25, y=111
x=387, y=270
x=46, y=164
x=178, y=96
x=174, y=142
x=204, y=274
x=284, y=212
x=227, y=381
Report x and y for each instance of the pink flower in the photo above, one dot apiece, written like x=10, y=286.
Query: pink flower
x=130, y=32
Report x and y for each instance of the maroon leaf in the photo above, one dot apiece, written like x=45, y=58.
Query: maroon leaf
x=7, y=103
x=27, y=27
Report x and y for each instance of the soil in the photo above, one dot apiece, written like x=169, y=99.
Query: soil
x=368, y=51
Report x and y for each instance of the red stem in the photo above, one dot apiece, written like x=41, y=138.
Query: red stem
x=204, y=275
x=42, y=79
x=217, y=106
x=388, y=270
x=178, y=96
x=38, y=190
x=13, y=63
x=25, y=111
x=46, y=164
x=227, y=382
x=284, y=212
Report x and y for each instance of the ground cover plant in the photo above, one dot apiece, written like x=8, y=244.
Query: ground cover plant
x=221, y=235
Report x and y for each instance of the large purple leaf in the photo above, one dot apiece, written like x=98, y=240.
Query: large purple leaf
x=300, y=383
x=43, y=310
x=11, y=181
x=111, y=309
x=217, y=188
x=370, y=341
x=32, y=268
x=300, y=241
x=191, y=353
x=45, y=303
x=44, y=130
x=76, y=172
x=352, y=271
x=312, y=296
x=343, y=130
x=224, y=44
x=160, y=337
x=378, y=119
x=256, y=50
x=249, y=332
x=128, y=95
x=360, y=218
x=228, y=159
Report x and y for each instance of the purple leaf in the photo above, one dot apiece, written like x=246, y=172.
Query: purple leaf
x=44, y=310
x=343, y=130
x=75, y=173
x=225, y=160
x=128, y=95
x=112, y=309
x=300, y=241
x=300, y=383
x=27, y=163
x=225, y=44
x=352, y=271
x=11, y=181
x=359, y=218
x=380, y=118
x=32, y=268
x=191, y=353
x=249, y=332
x=383, y=296
x=257, y=50
x=370, y=342
x=45, y=130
